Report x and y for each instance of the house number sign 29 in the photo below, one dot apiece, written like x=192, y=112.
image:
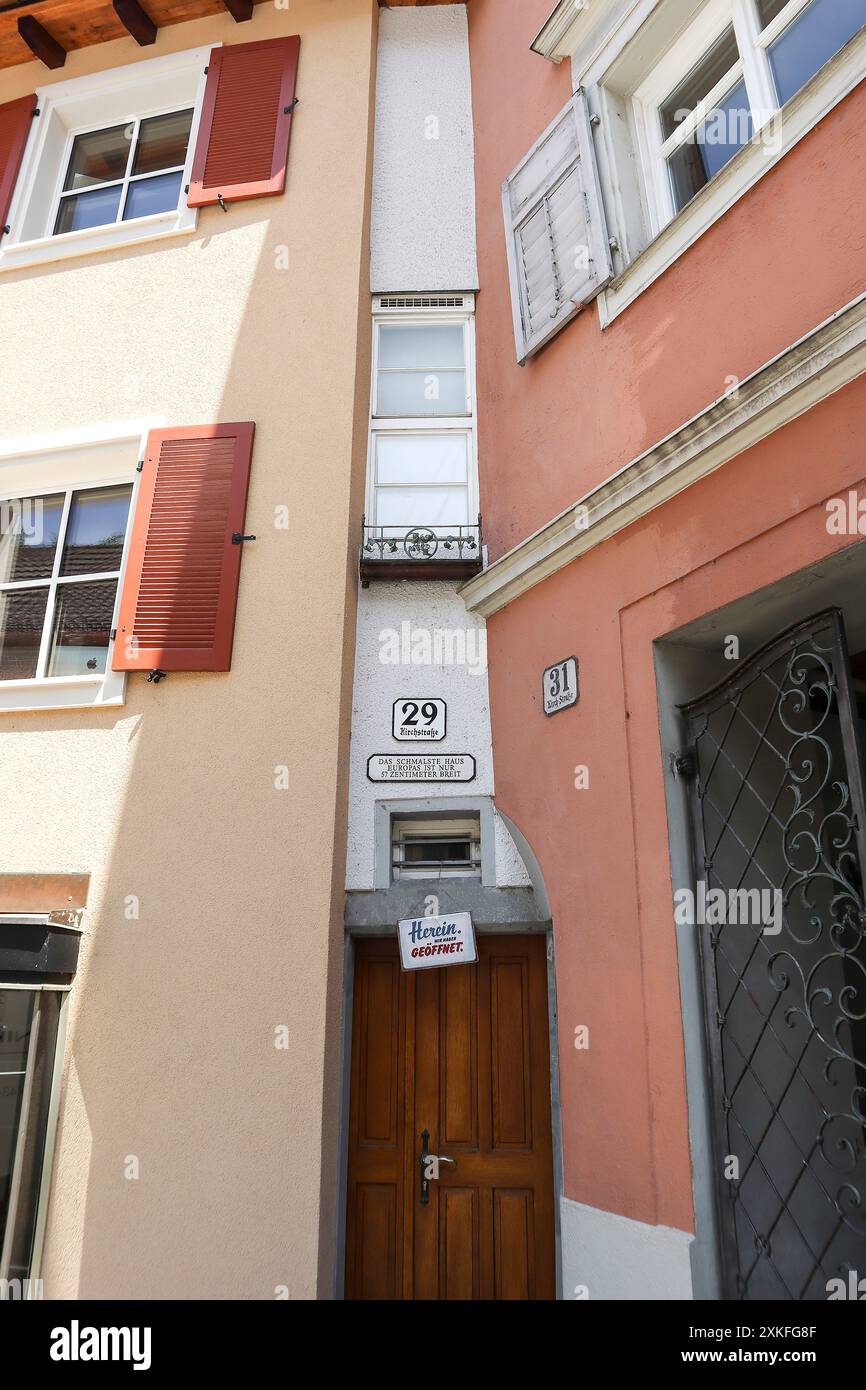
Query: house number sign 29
x=418, y=721
x=559, y=686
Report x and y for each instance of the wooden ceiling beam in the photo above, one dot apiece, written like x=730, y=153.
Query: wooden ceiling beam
x=41, y=43
x=239, y=9
x=136, y=20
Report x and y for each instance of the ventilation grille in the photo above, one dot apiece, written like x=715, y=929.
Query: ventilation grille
x=425, y=301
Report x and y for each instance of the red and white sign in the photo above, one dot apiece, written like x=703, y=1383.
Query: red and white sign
x=430, y=941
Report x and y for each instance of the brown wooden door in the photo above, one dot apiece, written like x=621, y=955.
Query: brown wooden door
x=463, y=1052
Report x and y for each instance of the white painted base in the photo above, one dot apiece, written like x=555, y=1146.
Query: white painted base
x=612, y=1257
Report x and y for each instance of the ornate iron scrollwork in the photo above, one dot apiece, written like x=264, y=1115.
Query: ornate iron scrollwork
x=778, y=806
x=421, y=543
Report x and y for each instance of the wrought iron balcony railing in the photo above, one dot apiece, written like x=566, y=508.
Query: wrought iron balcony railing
x=420, y=552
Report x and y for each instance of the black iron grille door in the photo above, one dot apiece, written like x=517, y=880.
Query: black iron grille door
x=779, y=825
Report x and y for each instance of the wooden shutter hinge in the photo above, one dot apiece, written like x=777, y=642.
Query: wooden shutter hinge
x=238, y=539
x=139, y=467
x=684, y=764
x=155, y=676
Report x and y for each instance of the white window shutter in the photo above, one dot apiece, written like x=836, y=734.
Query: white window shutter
x=558, y=246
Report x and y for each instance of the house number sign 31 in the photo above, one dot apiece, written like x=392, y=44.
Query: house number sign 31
x=559, y=686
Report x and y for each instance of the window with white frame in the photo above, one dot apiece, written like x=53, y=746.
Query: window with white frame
x=122, y=172
x=689, y=103
x=60, y=560
x=436, y=848
x=723, y=81
x=108, y=160
x=66, y=509
x=422, y=454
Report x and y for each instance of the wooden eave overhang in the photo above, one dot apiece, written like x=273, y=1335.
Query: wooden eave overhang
x=46, y=30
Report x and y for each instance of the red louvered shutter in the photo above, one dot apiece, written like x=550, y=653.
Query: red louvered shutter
x=243, y=140
x=177, y=608
x=16, y=118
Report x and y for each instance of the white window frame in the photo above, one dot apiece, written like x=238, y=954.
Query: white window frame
x=628, y=70
x=438, y=828
x=127, y=94
x=128, y=178
x=427, y=425
x=752, y=67
x=71, y=461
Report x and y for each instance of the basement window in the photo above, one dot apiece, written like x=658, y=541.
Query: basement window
x=436, y=848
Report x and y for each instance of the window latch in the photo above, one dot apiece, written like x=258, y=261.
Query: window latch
x=155, y=676
x=238, y=539
x=222, y=202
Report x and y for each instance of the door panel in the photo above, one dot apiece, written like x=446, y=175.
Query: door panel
x=376, y=1124
x=512, y=1095
x=514, y=1213
x=462, y=1052
x=376, y=1262
x=459, y=1275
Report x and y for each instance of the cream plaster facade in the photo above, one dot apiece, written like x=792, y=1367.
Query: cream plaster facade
x=171, y=798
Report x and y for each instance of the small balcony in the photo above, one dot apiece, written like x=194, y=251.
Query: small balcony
x=420, y=552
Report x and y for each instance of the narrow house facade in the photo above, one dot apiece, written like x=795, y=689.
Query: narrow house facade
x=449, y=1143
x=671, y=399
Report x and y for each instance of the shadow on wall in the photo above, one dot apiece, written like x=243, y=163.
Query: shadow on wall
x=188, y=1160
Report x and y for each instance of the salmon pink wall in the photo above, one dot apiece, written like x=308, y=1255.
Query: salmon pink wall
x=603, y=850
x=754, y=283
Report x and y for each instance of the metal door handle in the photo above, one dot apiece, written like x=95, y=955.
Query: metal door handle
x=429, y=1166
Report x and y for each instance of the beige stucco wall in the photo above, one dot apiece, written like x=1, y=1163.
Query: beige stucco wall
x=171, y=1055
